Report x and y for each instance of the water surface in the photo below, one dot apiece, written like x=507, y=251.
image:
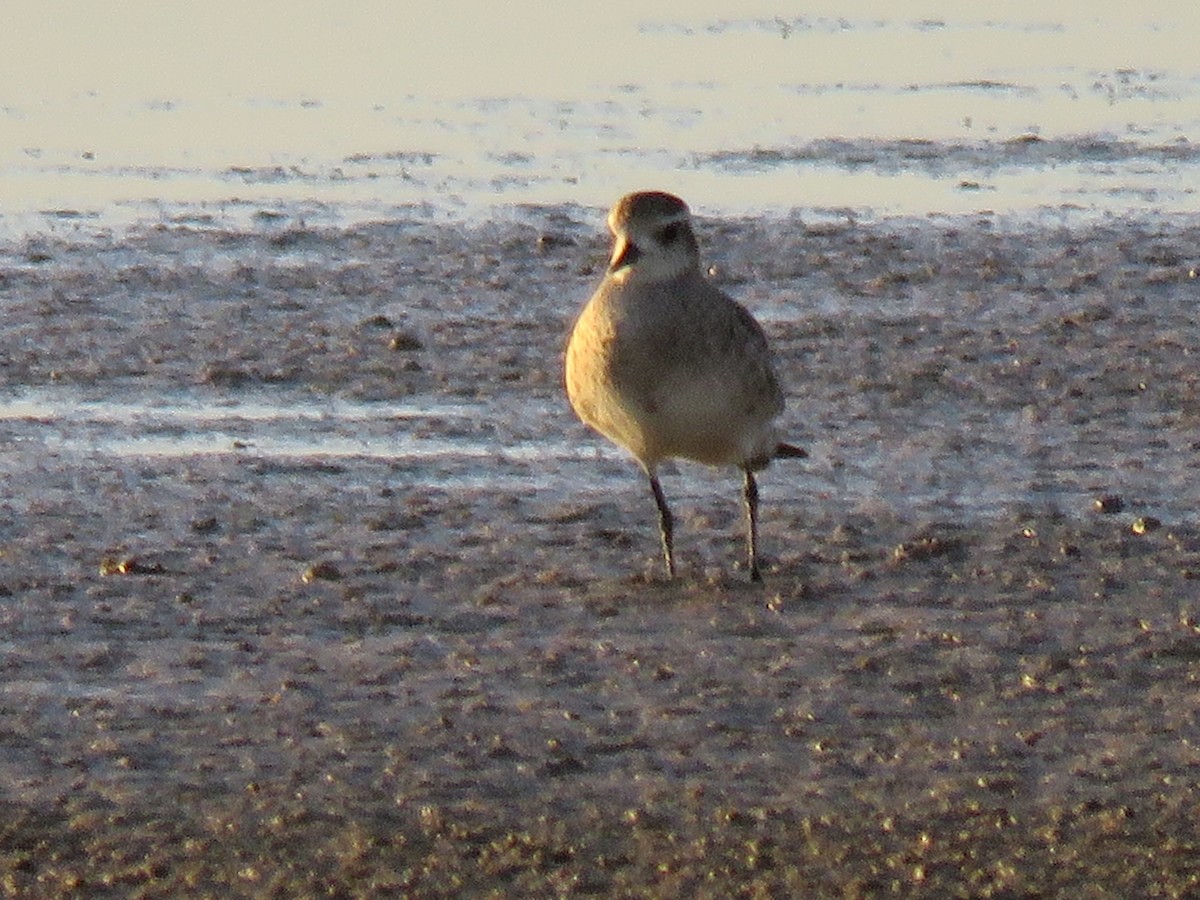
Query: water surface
x=224, y=113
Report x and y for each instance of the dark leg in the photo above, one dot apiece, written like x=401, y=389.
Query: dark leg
x=666, y=524
x=750, y=496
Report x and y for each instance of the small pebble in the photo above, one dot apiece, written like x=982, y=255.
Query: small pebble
x=322, y=571
x=402, y=341
x=548, y=241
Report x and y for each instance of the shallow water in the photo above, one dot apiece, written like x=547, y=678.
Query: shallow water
x=331, y=118
x=293, y=430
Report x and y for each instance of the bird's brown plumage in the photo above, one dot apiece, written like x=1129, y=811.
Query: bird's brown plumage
x=664, y=363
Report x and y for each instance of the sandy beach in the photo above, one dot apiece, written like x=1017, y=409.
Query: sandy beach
x=447, y=663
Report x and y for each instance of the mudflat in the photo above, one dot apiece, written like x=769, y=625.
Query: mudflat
x=311, y=584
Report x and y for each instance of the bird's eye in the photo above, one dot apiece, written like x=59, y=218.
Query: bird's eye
x=670, y=233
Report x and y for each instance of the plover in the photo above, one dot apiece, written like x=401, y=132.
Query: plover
x=666, y=365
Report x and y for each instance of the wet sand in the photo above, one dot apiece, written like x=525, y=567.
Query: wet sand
x=247, y=668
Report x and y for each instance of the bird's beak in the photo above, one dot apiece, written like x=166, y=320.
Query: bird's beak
x=625, y=254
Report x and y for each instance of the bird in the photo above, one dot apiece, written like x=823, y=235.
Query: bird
x=666, y=365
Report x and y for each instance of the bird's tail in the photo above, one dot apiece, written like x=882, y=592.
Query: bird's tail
x=790, y=451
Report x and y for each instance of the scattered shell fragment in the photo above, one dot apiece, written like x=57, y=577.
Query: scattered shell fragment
x=1108, y=504
x=127, y=565
x=111, y=566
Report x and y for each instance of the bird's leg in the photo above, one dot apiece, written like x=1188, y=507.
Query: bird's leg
x=666, y=524
x=750, y=496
